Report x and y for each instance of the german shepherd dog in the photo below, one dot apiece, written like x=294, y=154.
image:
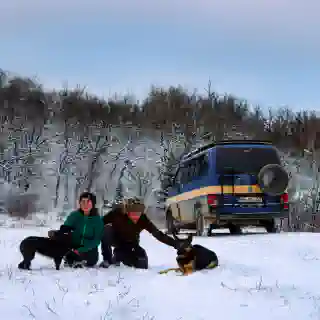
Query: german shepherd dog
x=192, y=258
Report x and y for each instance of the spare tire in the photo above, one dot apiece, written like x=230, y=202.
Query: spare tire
x=273, y=179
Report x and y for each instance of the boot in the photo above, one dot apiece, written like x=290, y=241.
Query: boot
x=104, y=264
x=115, y=260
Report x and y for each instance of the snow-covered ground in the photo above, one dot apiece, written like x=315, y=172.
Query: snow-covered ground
x=261, y=276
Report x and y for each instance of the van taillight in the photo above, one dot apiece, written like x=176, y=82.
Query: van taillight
x=212, y=200
x=285, y=200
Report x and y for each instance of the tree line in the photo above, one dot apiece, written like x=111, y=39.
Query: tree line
x=168, y=110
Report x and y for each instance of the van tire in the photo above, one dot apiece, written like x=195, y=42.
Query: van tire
x=234, y=229
x=170, y=223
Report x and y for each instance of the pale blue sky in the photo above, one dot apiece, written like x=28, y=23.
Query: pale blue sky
x=265, y=51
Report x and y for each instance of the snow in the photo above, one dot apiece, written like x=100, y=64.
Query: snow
x=261, y=276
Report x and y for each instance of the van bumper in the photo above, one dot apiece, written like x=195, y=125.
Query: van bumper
x=257, y=217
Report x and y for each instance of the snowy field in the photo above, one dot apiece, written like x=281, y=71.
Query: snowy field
x=261, y=276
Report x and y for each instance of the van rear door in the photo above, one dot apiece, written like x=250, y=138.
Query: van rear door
x=239, y=165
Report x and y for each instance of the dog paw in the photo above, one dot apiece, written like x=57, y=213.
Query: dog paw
x=24, y=265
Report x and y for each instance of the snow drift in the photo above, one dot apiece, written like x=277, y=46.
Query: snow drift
x=261, y=276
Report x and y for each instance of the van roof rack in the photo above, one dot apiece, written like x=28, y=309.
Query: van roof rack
x=224, y=142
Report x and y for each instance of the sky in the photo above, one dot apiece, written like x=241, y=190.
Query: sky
x=265, y=51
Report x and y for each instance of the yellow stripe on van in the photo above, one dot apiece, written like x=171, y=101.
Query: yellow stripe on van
x=248, y=189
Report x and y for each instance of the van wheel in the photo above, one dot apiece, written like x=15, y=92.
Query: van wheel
x=234, y=229
x=171, y=228
x=270, y=226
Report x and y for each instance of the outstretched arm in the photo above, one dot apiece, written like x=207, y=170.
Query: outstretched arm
x=160, y=236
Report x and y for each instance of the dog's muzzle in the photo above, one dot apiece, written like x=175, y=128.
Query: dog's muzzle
x=185, y=260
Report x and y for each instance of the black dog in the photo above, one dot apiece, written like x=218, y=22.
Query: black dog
x=56, y=248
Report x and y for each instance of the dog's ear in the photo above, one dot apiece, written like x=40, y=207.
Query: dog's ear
x=184, y=243
x=189, y=240
x=175, y=236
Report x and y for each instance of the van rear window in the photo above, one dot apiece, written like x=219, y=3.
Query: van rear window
x=245, y=160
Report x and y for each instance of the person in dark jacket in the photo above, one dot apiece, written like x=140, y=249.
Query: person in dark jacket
x=76, y=241
x=123, y=226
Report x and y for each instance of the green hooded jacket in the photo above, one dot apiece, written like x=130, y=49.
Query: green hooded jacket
x=87, y=230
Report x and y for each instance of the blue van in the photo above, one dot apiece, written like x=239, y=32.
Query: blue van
x=216, y=186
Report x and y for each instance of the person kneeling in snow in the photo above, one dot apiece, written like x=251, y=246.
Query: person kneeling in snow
x=122, y=231
x=76, y=241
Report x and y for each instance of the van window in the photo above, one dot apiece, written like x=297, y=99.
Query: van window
x=185, y=173
x=245, y=160
x=203, y=165
x=193, y=169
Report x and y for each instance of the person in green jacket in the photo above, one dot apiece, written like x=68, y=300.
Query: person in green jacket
x=76, y=241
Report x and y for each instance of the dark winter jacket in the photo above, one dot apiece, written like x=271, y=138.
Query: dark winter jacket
x=127, y=228
x=86, y=231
